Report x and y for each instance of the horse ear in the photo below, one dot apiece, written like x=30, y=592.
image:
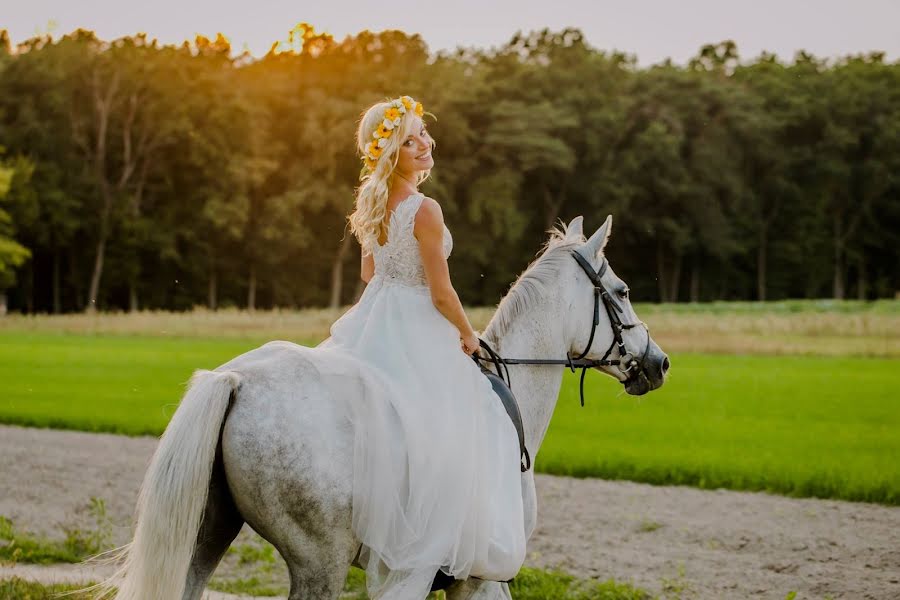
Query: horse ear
x=595, y=245
x=575, y=228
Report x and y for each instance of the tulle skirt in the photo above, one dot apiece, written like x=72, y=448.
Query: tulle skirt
x=436, y=459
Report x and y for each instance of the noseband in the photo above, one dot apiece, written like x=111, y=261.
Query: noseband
x=627, y=363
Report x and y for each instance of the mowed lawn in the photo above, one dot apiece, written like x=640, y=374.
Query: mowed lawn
x=807, y=426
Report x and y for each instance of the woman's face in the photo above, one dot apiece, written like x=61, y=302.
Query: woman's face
x=415, y=150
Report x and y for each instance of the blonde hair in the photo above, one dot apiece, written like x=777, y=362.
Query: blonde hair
x=367, y=221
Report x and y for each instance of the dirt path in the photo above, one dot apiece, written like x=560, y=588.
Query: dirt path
x=680, y=542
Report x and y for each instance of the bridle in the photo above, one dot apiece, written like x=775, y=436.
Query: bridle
x=630, y=367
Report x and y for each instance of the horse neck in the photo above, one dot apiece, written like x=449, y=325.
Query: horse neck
x=533, y=334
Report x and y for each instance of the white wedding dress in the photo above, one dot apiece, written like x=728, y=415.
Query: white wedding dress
x=436, y=459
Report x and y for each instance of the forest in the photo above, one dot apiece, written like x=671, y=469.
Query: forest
x=136, y=175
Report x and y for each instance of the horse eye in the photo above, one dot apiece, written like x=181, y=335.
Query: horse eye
x=623, y=294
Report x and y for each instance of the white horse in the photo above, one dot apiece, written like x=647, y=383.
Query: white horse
x=261, y=439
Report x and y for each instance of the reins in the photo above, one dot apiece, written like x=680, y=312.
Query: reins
x=613, y=309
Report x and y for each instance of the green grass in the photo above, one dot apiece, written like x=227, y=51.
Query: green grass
x=250, y=586
x=117, y=384
x=18, y=547
x=76, y=545
x=16, y=588
x=533, y=584
x=804, y=426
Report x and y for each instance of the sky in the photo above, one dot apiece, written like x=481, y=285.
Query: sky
x=653, y=30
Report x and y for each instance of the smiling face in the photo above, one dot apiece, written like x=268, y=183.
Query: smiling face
x=415, y=150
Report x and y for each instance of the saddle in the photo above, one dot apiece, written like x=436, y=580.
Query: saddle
x=512, y=409
x=504, y=392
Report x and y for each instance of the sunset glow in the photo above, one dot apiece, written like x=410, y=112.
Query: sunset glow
x=653, y=30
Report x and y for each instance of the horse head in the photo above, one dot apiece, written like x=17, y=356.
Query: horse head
x=601, y=324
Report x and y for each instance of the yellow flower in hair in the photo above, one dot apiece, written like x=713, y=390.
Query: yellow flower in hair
x=419, y=109
x=375, y=151
x=407, y=102
x=383, y=132
x=391, y=114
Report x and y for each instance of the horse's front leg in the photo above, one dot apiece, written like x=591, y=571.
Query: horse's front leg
x=476, y=589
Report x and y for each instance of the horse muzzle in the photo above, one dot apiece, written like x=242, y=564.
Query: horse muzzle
x=647, y=374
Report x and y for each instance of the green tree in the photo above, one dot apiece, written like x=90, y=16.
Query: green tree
x=12, y=253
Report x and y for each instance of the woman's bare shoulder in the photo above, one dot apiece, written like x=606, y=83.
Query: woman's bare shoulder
x=429, y=225
x=429, y=215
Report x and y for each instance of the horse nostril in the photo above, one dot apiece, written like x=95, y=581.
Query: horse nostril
x=664, y=365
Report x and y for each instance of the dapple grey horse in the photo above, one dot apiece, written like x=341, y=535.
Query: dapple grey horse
x=253, y=441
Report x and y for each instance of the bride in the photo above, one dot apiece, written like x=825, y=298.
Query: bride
x=436, y=478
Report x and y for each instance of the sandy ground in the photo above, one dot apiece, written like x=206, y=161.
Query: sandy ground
x=673, y=541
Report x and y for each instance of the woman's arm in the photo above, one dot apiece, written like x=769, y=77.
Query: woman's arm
x=429, y=230
x=367, y=267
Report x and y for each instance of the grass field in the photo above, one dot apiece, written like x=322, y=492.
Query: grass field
x=797, y=327
x=802, y=425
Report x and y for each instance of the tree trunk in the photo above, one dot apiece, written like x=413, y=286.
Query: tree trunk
x=102, y=104
x=132, y=296
x=337, y=272
x=695, y=280
x=2, y=304
x=676, y=278
x=251, y=289
x=862, y=286
x=30, y=289
x=761, y=252
x=838, y=284
x=137, y=148
x=213, y=299
x=552, y=206
x=94, y=290
x=661, y=272
x=57, y=303
x=95, y=277
x=77, y=282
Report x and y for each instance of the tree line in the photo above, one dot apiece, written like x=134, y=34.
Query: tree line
x=139, y=175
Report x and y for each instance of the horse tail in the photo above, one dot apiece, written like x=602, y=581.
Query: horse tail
x=174, y=493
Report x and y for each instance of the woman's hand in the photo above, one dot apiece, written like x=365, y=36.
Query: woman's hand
x=470, y=343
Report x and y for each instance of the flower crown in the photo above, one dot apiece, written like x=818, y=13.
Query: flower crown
x=392, y=117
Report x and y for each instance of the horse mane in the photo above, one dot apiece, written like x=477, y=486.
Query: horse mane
x=535, y=281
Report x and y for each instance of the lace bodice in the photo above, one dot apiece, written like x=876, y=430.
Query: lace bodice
x=398, y=260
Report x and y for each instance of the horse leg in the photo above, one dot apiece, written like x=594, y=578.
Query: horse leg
x=221, y=524
x=477, y=589
x=317, y=560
